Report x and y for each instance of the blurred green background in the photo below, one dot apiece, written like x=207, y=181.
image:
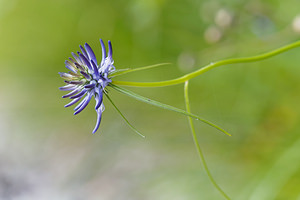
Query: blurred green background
x=47, y=153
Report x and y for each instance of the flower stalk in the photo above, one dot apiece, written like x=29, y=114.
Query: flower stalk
x=196, y=143
x=209, y=67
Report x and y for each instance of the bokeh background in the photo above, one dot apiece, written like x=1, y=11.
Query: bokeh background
x=47, y=153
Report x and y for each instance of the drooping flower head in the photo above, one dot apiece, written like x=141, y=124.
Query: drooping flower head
x=88, y=78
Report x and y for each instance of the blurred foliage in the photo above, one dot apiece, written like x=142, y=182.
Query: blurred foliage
x=46, y=153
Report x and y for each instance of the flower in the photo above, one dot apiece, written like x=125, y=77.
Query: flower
x=88, y=78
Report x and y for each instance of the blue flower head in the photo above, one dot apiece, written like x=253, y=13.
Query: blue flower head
x=88, y=78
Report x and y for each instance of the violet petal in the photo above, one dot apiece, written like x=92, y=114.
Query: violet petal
x=68, y=87
x=103, y=51
x=72, y=102
x=85, y=61
x=99, y=117
x=91, y=85
x=80, y=94
x=95, y=68
x=110, y=51
x=72, y=93
x=85, y=75
x=90, y=53
x=85, y=103
x=83, y=51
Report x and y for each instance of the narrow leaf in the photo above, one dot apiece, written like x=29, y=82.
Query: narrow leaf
x=134, y=129
x=128, y=70
x=165, y=106
x=117, y=71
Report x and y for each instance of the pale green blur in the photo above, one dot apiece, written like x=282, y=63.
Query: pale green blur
x=47, y=153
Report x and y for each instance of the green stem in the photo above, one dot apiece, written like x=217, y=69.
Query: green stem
x=206, y=68
x=127, y=122
x=197, y=145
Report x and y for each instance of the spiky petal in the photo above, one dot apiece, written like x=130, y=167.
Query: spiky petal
x=87, y=77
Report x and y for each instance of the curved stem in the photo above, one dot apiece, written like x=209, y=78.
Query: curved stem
x=206, y=68
x=197, y=145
